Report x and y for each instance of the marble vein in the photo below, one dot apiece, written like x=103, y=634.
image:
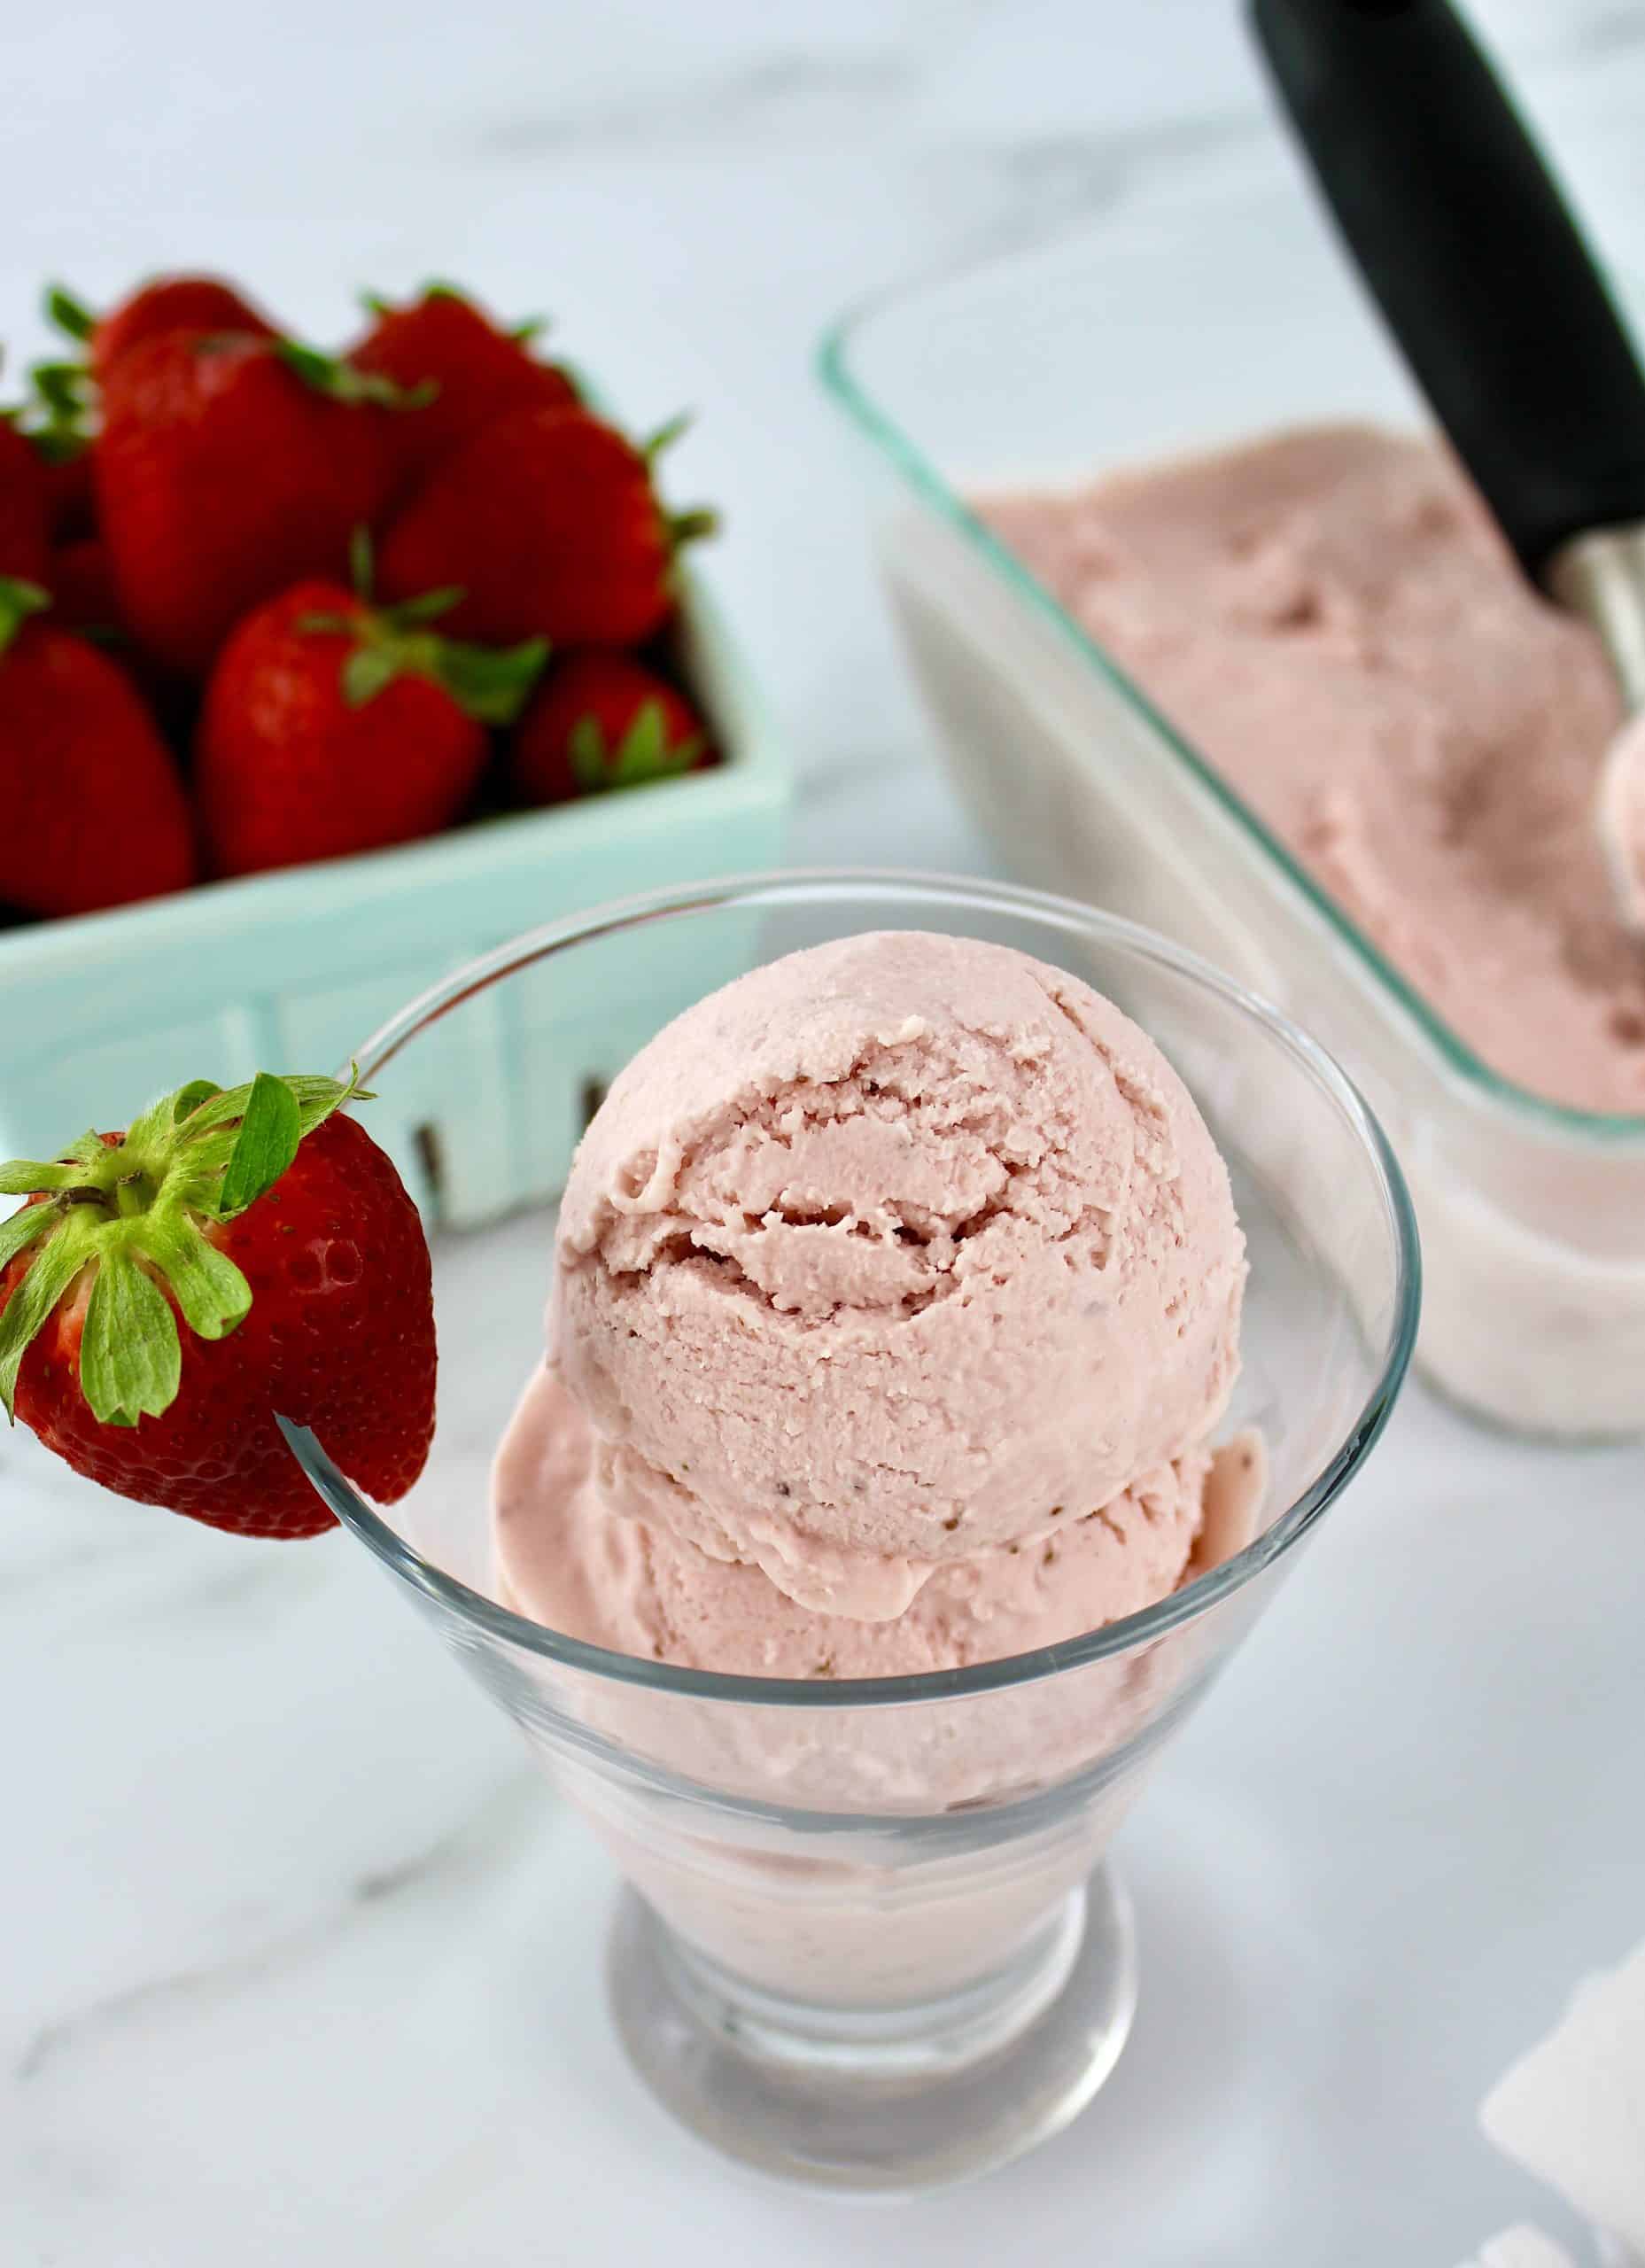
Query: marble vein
x=475, y=1844
x=771, y=94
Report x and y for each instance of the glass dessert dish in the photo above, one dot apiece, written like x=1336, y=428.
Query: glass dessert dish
x=1178, y=323
x=870, y=1938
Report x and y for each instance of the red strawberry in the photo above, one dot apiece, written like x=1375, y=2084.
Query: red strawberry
x=227, y=470
x=600, y=721
x=549, y=521
x=231, y=1258
x=480, y=373
x=202, y=304
x=81, y=581
x=95, y=813
x=25, y=507
x=332, y=726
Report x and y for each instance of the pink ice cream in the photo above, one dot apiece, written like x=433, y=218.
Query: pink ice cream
x=633, y=1583
x=1333, y=620
x=899, y=1297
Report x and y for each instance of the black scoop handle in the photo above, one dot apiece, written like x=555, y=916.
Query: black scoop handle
x=1471, y=252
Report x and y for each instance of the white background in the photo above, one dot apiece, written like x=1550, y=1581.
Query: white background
x=296, y=1963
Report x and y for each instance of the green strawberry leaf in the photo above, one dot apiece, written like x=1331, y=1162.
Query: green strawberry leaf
x=58, y=444
x=55, y=1268
x=665, y=436
x=69, y=314
x=61, y=387
x=682, y=528
x=308, y=363
x=410, y=612
x=212, y=1292
x=23, y=1177
x=317, y=1098
x=190, y=1098
x=19, y=1232
x=269, y=1134
x=18, y=601
x=361, y=562
x=130, y=1355
x=368, y=670
x=643, y=754
x=489, y=685
x=340, y=381
x=644, y=749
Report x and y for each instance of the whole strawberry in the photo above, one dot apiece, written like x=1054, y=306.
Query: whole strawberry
x=201, y=304
x=332, y=726
x=94, y=812
x=228, y=468
x=231, y=1258
x=477, y=371
x=549, y=523
x=603, y=720
x=25, y=508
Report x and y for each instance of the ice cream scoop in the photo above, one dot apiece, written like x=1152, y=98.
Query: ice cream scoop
x=896, y=1251
x=1497, y=304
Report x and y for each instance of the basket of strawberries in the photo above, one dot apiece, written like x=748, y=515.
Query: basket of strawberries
x=318, y=675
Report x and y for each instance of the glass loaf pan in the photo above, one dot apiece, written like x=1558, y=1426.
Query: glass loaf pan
x=1178, y=323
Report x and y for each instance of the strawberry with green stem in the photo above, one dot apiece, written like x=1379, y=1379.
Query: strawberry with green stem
x=331, y=725
x=603, y=720
x=61, y=418
x=479, y=371
x=228, y=468
x=232, y=1257
x=201, y=304
x=550, y=522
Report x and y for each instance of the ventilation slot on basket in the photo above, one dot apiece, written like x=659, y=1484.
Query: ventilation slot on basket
x=426, y=1137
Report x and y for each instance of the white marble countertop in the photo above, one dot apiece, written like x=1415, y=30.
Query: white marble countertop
x=300, y=1963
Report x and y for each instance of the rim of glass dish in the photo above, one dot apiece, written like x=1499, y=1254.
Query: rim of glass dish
x=800, y=886
x=1603, y=1128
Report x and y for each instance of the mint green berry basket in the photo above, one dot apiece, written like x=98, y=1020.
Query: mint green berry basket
x=291, y=971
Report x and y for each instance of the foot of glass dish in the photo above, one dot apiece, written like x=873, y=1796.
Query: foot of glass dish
x=880, y=2100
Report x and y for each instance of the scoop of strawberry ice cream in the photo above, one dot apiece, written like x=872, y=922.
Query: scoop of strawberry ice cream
x=895, y=1252
x=584, y=1548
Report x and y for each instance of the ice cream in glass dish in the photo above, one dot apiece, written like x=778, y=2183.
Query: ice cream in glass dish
x=957, y=1319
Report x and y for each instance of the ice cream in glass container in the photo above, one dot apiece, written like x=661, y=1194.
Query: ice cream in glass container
x=1214, y=636
x=957, y=1319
